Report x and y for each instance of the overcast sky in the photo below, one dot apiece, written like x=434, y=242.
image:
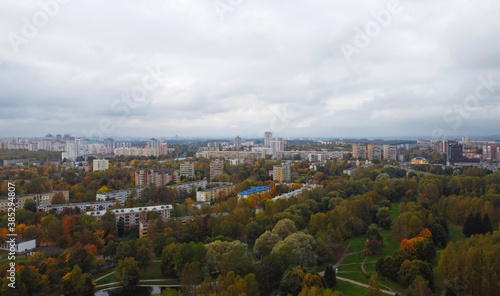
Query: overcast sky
x=317, y=68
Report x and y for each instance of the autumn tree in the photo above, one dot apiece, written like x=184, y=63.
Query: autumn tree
x=191, y=276
x=374, y=287
x=127, y=272
x=419, y=287
x=284, y=228
x=76, y=283
x=265, y=243
x=58, y=198
x=229, y=284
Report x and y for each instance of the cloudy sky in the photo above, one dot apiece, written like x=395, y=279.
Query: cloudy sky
x=318, y=68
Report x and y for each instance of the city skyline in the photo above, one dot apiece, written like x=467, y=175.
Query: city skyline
x=362, y=69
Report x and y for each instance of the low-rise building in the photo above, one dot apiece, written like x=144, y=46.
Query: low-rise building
x=131, y=216
x=120, y=195
x=256, y=190
x=20, y=245
x=41, y=199
x=83, y=207
x=213, y=193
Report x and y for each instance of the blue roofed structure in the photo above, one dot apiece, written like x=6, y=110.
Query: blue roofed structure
x=256, y=190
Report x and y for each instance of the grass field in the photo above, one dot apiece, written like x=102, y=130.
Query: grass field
x=357, y=244
x=349, y=289
x=456, y=233
x=17, y=261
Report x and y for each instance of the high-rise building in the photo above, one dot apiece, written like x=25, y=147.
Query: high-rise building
x=123, y=144
x=466, y=140
x=237, y=143
x=282, y=172
x=391, y=152
x=158, y=177
x=374, y=152
x=187, y=169
x=491, y=151
x=109, y=145
x=163, y=149
x=277, y=145
x=100, y=164
x=154, y=144
x=267, y=139
x=216, y=168
x=359, y=151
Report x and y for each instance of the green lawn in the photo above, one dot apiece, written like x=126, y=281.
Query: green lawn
x=456, y=233
x=349, y=289
x=357, y=244
x=17, y=261
x=395, y=210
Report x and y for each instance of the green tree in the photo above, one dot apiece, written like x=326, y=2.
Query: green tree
x=127, y=272
x=120, y=226
x=191, y=276
x=30, y=205
x=384, y=215
x=374, y=287
x=144, y=256
x=269, y=272
x=486, y=224
x=82, y=258
x=284, y=228
x=468, y=228
x=167, y=265
x=304, y=246
x=330, y=277
x=108, y=222
x=76, y=283
x=187, y=253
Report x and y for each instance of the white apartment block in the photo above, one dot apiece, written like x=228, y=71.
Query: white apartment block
x=100, y=165
x=131, y=216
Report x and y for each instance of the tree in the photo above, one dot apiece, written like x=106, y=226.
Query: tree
x=143, y=256
x=468, y=228
x=218, y=251
x=82, y=258
x=316, y=291
x=486, y=224
x=159, y=243
x=30, y=205
x=110, y=249
x=108, y=222
x=77, y=283
x=303, y=245
x=127, y=272
x=33, y=281
x=419, y=287
x=284, y=228
x=191, y=276
x=58, y=199
x=330, y=277
x=374, y=287
x=167, y=265
x=269, y=272
x=409, y=270
x=187, y=253
x=229, y=284
x=313, y=280
x=265, y=243
x=120, y=226
x=373, y=232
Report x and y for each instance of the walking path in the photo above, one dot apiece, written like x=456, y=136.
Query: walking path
x=362, y=267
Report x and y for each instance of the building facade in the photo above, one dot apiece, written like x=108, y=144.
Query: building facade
x=213, y=193
x=390, y=152
x=41, y=199
x=187, y=169
x=359, y=151
x=216, y=168
x=374, y=152
x=282, y=172
x=100, y=165
x=131, y=216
